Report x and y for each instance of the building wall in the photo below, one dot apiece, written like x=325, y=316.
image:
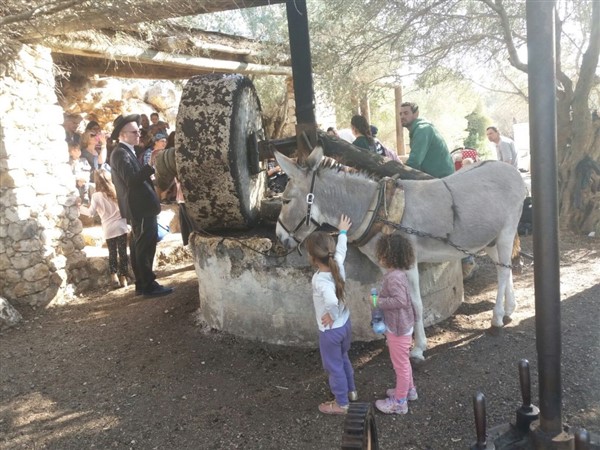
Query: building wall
x=40, y=233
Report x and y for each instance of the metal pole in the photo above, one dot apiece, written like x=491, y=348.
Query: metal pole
x=301, y=61
x=542, y=113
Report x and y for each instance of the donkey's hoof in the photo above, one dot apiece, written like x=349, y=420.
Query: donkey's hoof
x=416, y=357
x=506, y=320
x=494, y=331
x=417, y=362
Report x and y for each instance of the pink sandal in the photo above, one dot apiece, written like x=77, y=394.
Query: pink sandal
x=333, y=408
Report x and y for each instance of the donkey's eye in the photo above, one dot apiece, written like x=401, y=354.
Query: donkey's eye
x=285, y=201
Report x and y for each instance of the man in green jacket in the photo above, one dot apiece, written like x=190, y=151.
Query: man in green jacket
x=428, y=151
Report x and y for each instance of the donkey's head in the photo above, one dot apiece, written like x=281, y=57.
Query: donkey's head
x=300, y=214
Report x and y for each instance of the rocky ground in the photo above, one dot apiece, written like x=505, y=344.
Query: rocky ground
x=112, y=370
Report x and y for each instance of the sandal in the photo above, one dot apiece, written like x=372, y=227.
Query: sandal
x=333, y=408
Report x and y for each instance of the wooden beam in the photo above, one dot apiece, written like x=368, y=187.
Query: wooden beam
x=126, y=54
x=401, y=149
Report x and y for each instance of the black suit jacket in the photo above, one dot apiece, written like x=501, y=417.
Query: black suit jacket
x=135, y=192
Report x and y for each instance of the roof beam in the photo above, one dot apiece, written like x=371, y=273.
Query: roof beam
x=126, y=54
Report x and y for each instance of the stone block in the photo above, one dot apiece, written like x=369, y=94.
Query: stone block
x=4, y=262
x=9, y=316
x=37, y=272
x=27, y=246
x=23, y=230
x=12, y=276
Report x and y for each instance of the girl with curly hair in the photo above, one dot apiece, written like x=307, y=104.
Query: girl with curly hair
x=395, y=253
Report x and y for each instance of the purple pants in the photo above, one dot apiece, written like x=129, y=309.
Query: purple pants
x=334, y=345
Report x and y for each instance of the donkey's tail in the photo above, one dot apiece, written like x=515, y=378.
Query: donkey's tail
x=516, y=261
x=516, y=247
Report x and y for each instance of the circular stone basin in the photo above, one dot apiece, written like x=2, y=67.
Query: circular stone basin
x=269, y=298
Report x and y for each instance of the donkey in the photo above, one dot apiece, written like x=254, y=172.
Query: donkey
x=474, y=209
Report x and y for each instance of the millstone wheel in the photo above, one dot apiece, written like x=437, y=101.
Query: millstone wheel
x=218, y=120
x=360, y=429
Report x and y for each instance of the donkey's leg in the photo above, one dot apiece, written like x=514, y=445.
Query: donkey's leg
x=498, y=312
x=505, y=299
x=415, y=294
x=506, y=243
x=510, y=303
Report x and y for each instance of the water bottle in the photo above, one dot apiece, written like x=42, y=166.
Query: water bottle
x=376, y=315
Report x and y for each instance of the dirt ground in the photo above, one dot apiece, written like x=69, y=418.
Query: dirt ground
x=112, y=370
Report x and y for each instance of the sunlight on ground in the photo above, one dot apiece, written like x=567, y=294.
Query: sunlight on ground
x=34, y=418
x=366, y=358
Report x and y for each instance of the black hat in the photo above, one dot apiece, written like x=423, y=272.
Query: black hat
x=120, y=122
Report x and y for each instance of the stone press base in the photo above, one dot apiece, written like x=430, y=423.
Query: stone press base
x=269, y=298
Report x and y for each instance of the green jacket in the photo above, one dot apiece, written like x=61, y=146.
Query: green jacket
x=428, y=151
x=362, y=142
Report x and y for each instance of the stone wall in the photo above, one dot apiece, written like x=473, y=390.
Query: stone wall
x=103, y=99
x=40, y=233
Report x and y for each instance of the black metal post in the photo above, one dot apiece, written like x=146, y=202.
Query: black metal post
x=306, y=122
x=301, y=61
x=543, y=141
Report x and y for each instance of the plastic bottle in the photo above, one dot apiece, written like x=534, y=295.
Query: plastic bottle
x=376, y=315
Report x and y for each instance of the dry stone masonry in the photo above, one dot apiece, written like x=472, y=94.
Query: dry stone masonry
x=40, y=233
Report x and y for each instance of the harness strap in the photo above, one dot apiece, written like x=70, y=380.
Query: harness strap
x=310, y=199
x=370, y=224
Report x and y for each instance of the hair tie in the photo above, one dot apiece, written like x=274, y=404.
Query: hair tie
x=330, y=254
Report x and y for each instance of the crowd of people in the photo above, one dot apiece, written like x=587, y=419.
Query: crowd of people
x=114, y=178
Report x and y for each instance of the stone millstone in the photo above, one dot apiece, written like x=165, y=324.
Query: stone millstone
x=217, y=115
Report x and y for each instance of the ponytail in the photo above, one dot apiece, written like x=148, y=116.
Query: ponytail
x=337, y=277
x=321, y=246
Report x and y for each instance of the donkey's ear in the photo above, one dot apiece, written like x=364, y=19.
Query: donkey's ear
x=315, y=157
x=288, y=165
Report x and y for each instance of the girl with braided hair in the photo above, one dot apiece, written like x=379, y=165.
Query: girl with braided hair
x=332, y=314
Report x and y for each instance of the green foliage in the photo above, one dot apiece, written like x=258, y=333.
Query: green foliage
x=477, y=123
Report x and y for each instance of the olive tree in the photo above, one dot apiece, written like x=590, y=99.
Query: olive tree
x=484, y=41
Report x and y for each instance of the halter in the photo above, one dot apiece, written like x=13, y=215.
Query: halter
x=310, y=199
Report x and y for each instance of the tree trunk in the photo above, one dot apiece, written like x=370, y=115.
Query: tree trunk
x=579, y=177
x=579, y=143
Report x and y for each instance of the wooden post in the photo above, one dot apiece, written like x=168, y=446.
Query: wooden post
x=365, y=111
x=399, y=129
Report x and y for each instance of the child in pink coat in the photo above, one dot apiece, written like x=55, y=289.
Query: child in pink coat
x=395, y=253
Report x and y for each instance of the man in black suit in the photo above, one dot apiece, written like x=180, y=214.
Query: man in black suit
x=138, y=203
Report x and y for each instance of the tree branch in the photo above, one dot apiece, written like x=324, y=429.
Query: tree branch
x=513, y=56
x=42, y=10
x=589, y=62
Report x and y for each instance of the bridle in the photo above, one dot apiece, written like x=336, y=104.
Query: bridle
x=368, y=227
x=310, y=199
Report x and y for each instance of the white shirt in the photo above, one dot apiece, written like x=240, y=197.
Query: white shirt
x=506, y=151
x=324, y=298
x=113, y=224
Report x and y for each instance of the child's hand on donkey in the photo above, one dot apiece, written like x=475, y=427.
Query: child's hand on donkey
x=345, y=223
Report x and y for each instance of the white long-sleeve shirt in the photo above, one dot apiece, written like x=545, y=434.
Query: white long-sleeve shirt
x=507, y=152
x=324, y=298
x=113, y=224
